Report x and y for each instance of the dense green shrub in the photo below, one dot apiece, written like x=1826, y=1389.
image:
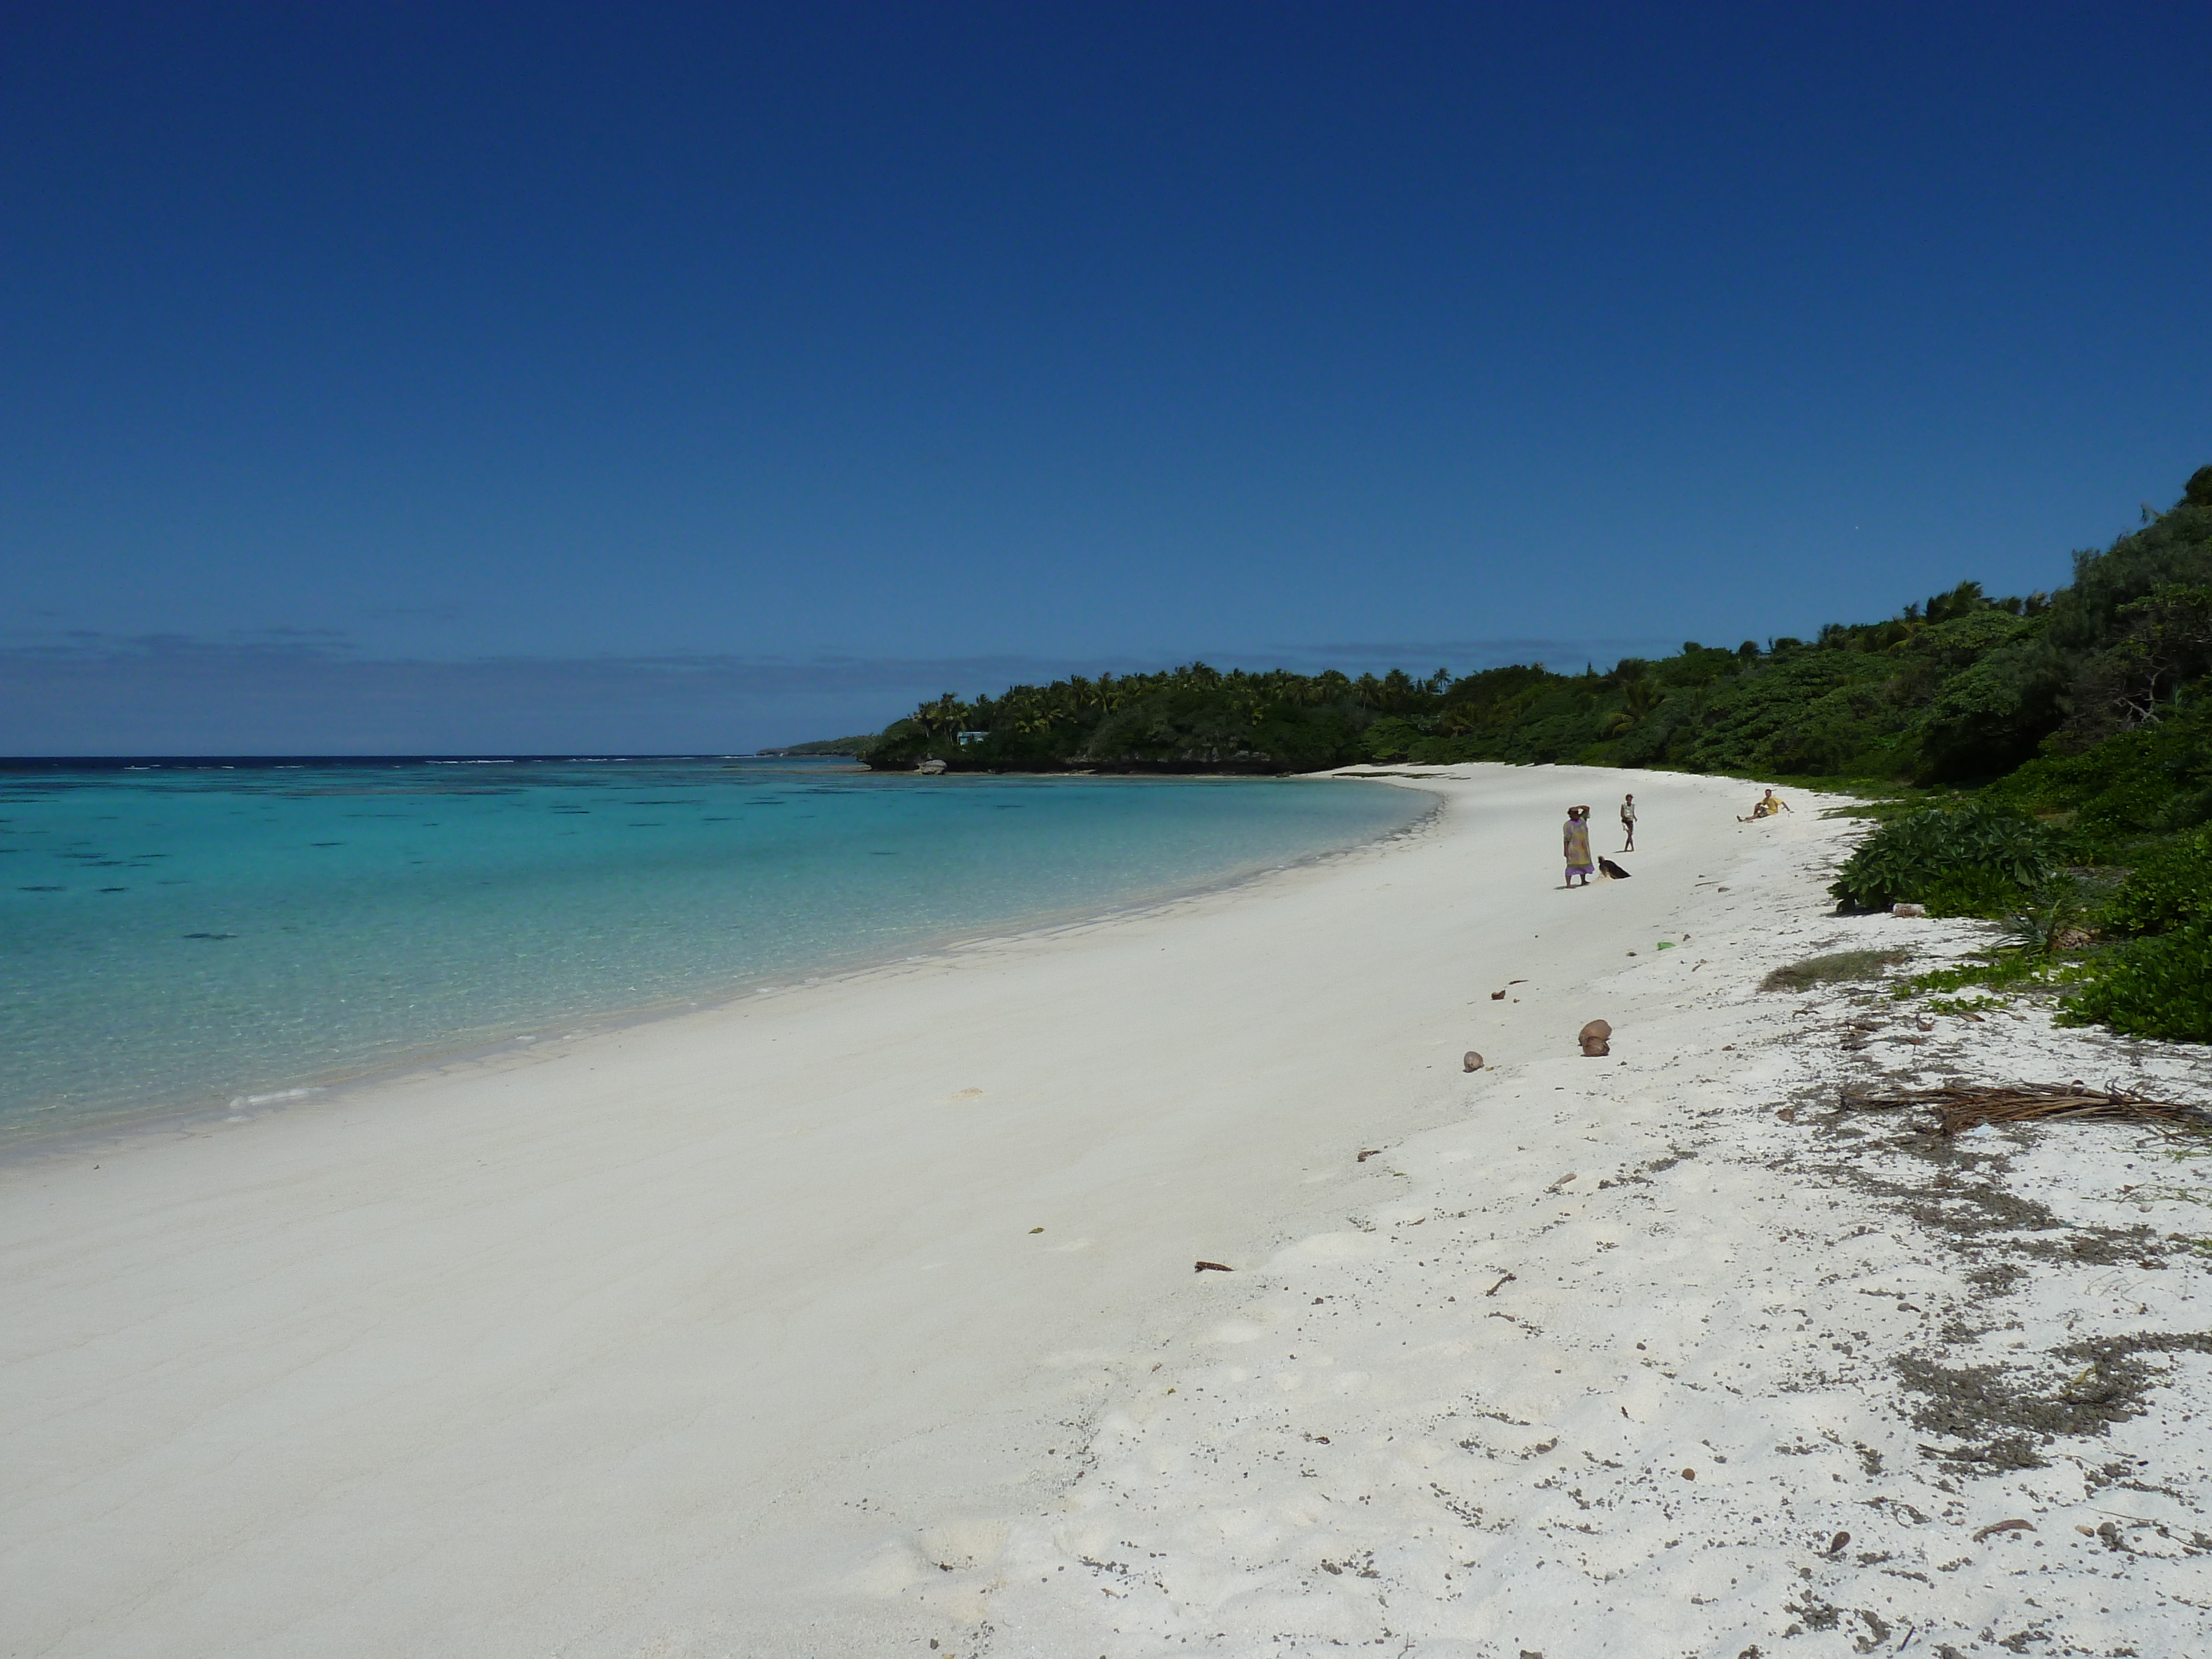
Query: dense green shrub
x=2170, y=888
x=2185, y=812
x=1763, y=720
x=1989, y=717
x=2155, y=778
x=2175, y=547
x=1390, y=739
x=2152, y=988
x=1972, y=892
x=1966, y=858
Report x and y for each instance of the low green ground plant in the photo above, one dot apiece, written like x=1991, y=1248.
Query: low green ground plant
x=2156, y=987
x=1997, y=970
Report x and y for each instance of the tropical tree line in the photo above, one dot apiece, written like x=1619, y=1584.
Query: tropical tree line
x=1959, y=688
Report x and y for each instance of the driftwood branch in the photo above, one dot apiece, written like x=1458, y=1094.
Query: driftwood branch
x=1968, y=1106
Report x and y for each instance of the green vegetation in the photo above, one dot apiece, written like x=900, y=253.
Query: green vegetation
x=2033, y=735
x=1957, y=859
x=1965, y=1006
x=2003, y=970
x=2159, y=987
x=2170, y=887
x=828, y=746
x=2054, y=916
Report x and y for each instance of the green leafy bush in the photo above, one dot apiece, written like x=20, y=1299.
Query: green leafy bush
x=2152, y=988
x=1978, y=892
x=1964, y=858
x=2170, y=888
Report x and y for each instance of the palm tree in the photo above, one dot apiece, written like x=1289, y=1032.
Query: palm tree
x=1640, y=697
x=947, y=713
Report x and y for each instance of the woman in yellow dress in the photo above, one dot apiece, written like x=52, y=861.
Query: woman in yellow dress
x=1577, y=840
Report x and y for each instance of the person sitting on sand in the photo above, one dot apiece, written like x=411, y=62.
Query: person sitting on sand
x=1767, y=807
x=1628, y=822
x=1577, y=846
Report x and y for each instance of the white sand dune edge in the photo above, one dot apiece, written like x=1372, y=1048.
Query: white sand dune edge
x=732, y=1334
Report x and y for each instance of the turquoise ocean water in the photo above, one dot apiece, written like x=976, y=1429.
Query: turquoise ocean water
x=182, y=936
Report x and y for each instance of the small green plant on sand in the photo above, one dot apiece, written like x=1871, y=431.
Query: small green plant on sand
x=1966, y=1005
x=1995, y=971
x=2050, y=917
x=2164, y=1195
x=1832, y=970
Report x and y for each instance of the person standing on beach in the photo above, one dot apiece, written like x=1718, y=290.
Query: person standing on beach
x=1628, y=822
x=1577, y=846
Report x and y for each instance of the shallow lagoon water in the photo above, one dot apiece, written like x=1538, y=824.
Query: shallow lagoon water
x=177, y=936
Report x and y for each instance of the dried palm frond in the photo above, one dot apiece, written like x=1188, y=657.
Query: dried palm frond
x=1967, y=1106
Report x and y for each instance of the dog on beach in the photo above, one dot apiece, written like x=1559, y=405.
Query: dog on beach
x=1611, y=870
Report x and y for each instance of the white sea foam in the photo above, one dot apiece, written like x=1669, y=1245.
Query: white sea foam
x=272, y=1097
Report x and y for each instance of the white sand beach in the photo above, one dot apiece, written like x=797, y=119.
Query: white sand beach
x=862, y=1317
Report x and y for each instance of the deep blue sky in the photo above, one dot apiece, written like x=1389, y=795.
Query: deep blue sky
x=471, y=376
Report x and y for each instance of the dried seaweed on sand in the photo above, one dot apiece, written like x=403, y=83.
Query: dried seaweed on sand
x=1833, y=968
x=1967, y=1106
